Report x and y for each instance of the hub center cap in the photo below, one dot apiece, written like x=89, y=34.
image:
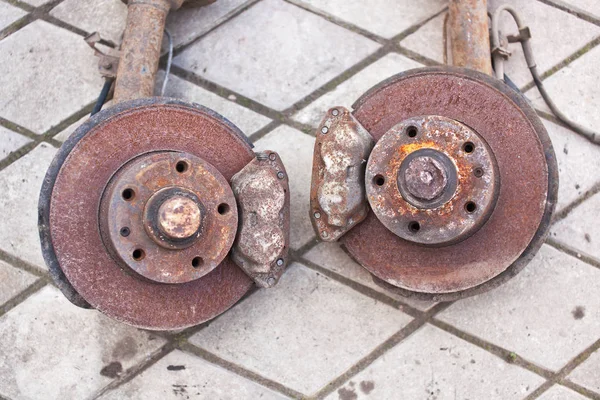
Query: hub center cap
x=179, y=217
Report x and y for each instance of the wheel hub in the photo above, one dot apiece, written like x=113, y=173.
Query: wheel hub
x=432, y=180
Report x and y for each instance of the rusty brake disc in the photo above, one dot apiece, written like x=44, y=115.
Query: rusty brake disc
x=462, y=182
x=137, y=215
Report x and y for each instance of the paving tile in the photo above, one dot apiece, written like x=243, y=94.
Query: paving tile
x=106, y=17
x=180, y=375
x=558, y=392
x=589, y=6
x=46, y=74
x=304, y=332
x=332, y=257
x=346, y=93
x=186, y=24
x=575, y=89
x=55, y=350
x=10, y=141
x=13, y=281
x=577, y=159
x=580, y=229
x=275, y=53
x=9, y=14
x=20, y=185
x=296, y=150
x=428, y=40
x=432, y=364
x=556, y=35
x=547, y=314
x=385, y=18
x=245, y=119
x=588, y=373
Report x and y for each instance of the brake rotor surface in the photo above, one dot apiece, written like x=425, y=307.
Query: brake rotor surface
x=116, y=147
x=527, y=177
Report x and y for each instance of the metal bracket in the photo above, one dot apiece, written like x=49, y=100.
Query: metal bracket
x=108, y=61
x=261, y=247
x=337, y=197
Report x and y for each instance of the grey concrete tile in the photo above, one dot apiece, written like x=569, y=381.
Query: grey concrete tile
x=10, y=141
x=590, y=6
x=9, y=14
x=106, y=17
x=275, y=53
x=580, y=229
x=428, y=40
x=588, y=373
x=180, y=375
x=186, y=24
x=46, y=75
x=547, y=314
x=385, y=18
x=346, y=93
x=433, y=364
x=296, y=150
x=556, y=35
x=13, y=281
x=332, y=257
x=55, y=350
x=575, y=89
x=245, y=119
x=558, y=392
x=20, y=185
x=304, y=332
x=577, y=161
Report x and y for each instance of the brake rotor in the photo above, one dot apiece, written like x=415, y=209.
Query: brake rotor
x=462, y=182
x=136, y=211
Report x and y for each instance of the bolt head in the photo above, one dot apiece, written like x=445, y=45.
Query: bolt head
x=425, y=178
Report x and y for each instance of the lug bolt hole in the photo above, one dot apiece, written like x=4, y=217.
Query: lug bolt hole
x=412, y=131
x=197, y=261
x=138, y=254
x=414, y=227
x=223, y=208
x=470, y=207
x=478, y=172
x=182, y=166
x=379, y=180
x=468, y=147
x=125, y=231
x=128, y=194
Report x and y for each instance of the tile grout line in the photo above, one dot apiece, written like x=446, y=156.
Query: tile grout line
x=238, y=370
x=579, y=389
x=381, y=350
x=570, y=251
x=20, y=297
x=562, y=373
x=579, y=13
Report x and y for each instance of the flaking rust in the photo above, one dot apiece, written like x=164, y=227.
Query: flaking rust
x=261, y=247
x=337, y=198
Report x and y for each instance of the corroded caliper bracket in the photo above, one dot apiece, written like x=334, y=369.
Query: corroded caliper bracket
x=262, y=192
x=337, y=197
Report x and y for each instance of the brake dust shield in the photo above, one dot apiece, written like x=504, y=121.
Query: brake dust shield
x=498, y=245
x=173, y=156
